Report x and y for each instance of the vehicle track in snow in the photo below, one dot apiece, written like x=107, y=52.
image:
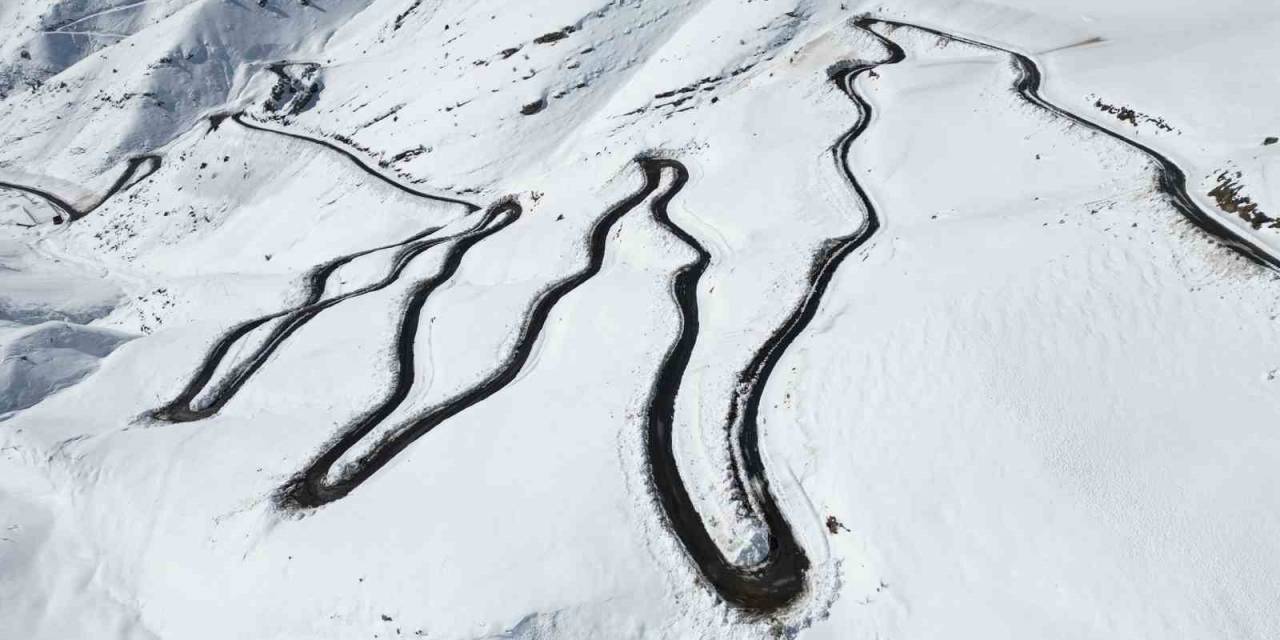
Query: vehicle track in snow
x=1171, y=180
x=127, y=179
x=324, y=480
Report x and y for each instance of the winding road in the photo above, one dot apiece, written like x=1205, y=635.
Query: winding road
x=240, y=119
x=127, y=179
x=324, y=480
x=199, y=400
x=777, y=581
x=1171, y=180
x=186, y=408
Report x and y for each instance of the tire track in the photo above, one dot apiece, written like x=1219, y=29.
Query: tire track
x=324, y=481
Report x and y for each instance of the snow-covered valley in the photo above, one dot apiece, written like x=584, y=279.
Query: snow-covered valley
x=639, y=319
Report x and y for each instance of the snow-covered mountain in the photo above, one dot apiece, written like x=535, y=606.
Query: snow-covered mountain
x=639, y=319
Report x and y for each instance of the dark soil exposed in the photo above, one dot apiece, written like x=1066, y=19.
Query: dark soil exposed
x=1227, y=195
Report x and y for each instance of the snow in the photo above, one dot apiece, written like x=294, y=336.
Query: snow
x=1039, y=402
x=43, y=359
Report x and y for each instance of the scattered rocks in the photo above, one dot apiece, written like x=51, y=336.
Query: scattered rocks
x=297, y=88
x=1125, y=114
x=399, y=21
x=1227, y=194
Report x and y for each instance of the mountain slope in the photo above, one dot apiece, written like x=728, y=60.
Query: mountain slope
x=734, y=318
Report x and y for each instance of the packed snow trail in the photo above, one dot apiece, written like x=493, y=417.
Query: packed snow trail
x=240, y=119
x=72, y=213
x=321, y=483
x=1171, y=180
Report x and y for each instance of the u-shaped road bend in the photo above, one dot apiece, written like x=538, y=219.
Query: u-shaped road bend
x=182, y=408
x=497, y=218
x=779, y=579
x=127, y=179
x=320, y=483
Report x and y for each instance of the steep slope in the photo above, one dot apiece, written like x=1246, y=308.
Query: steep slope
x=733, y=318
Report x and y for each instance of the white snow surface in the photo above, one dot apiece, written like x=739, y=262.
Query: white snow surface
x=1040, y=403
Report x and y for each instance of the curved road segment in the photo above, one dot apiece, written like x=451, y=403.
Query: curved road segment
x=186, y=408
x=364, y=166
x=1171, y=180
x=779, y=579
x=774, y=583
x=324, y=481
x=70, y=212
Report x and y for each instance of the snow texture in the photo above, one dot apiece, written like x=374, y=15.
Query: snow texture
x=1036, y=397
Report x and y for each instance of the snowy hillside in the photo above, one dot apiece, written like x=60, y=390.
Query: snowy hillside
x=639, y=319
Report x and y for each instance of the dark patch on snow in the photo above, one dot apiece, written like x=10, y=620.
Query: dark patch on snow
x=391, y=113
x=554, y=36
x=409, y=154
x=534, y=107
x=216, y=121
x=1227, y=195
x=687, y=92
x=405, y=14
x=564, y=92
x=834, y=525
x=1125, y=114
x=296, y=90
